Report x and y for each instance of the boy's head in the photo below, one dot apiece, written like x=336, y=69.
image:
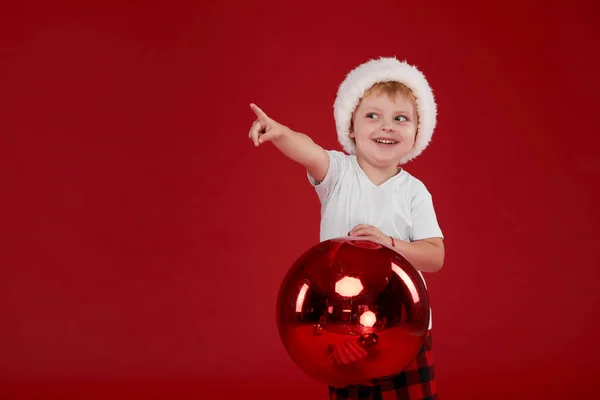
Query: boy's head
x=386, y=103
x=383, y=127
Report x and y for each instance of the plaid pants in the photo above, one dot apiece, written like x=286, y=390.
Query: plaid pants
x=415, y=382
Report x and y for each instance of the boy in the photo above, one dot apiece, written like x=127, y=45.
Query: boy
x=385, y=114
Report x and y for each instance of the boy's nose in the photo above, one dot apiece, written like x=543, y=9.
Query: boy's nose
x=387, y=128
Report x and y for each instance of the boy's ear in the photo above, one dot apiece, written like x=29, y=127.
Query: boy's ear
x=351, y=134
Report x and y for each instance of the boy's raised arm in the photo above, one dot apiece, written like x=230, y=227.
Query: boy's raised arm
x=295, y=145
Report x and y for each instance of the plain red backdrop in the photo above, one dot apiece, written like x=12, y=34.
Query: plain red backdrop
x=144, y=237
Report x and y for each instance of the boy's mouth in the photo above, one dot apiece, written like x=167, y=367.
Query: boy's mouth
x=385, y=142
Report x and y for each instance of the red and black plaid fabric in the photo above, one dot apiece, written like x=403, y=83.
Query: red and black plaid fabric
x=415, y=382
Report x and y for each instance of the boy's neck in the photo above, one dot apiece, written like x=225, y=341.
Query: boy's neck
x=376, y=175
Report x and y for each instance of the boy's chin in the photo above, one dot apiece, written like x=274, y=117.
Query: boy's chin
x=383, y=162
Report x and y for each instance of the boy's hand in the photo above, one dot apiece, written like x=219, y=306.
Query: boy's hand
x=265, y=129
x=370, y=232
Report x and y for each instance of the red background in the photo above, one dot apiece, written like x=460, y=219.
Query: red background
x=144, y=237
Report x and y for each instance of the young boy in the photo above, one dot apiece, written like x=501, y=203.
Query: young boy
x=385, y=115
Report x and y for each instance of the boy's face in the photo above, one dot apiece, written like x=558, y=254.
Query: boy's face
x=384, y=130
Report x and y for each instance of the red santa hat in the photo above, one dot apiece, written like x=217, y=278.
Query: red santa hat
x=385, y=69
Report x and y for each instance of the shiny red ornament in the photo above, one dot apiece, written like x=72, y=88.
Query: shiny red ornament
x=351, y=311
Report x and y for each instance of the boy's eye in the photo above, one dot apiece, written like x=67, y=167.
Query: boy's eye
x=400, y=118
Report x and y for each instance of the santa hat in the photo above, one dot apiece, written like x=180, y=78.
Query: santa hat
x=385, y=69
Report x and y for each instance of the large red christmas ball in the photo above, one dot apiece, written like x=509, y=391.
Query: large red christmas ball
x=352, y=311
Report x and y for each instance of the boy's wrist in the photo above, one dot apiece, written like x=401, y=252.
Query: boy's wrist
x=285, y=133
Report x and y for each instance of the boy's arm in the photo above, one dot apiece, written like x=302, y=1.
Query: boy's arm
x=295, y=145
x=302, y=149
x=426, y=255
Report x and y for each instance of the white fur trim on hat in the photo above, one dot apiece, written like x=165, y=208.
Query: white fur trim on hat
x=385, y=69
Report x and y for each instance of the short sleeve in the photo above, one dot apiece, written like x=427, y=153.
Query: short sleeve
x=338, y=162
x=425, y=224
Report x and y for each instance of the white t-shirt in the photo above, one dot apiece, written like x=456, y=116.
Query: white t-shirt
x=401, y=207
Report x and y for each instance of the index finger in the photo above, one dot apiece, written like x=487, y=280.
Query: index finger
x=259, y=113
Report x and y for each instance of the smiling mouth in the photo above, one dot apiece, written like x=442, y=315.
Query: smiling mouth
x=385, y=141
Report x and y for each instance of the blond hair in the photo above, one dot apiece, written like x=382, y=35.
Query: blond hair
x=391, y=89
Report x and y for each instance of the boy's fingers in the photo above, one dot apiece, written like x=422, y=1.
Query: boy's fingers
x=365, y=234
x=265, y=137
x=253, y=134
x=359, y=226
x=259, y=113
x=359, y=229
x=252, y=128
